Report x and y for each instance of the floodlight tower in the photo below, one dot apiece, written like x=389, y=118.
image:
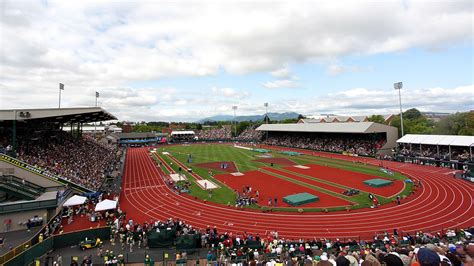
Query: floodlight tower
x=235, y=128
x=266, y=115
x=398, y=86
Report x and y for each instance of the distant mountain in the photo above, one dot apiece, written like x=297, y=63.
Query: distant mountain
x=273, y=117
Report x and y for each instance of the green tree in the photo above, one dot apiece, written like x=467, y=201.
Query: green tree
x=242, y=126
x=412, y=114
x=289, y=121
x=456, y=124
x=377, y=119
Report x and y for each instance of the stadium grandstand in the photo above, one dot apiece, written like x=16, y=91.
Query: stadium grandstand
x=182, y=135
x=42, y=164
x=222, y=133
x=440, y=150
x=362, y=138
x=137, y=139
x=100, y=129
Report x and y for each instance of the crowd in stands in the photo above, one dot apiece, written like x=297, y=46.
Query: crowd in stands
x=420, y=249
x=450, y=247
x=218, y=133
x=81, y=160
x=434, y=152
x=360, y=145
x=250, y=134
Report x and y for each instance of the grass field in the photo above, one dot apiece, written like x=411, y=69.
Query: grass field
x=244, y=160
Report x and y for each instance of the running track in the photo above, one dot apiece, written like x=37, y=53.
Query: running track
x=443, y=202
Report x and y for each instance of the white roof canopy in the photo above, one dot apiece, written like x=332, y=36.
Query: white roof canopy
x=182, y=133
x=106, y=205
x=75, y=200
x=445, y=140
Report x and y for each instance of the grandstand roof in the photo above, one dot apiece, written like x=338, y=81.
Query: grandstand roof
x=134, y=135
x=61, y=115
x=445, y=140
x=189, y=132
x=334, y=119
x=343, y=127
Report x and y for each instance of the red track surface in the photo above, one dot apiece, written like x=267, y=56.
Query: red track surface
x=270, y=186
x=306, y=180
x=349, y=179
x=443, y=202
x=280, y=161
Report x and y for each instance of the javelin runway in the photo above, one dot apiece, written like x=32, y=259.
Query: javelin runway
x=442, y=203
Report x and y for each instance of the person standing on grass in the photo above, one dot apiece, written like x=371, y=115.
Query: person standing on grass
x=269, y=202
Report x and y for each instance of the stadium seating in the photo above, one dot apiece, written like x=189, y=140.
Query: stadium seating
x=81, y=160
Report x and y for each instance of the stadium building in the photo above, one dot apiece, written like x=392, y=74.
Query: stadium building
x=382, y=137
x=28, y=193
x=137, y=139
x=440, y=150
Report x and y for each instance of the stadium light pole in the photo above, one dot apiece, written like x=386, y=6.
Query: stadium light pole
x=398, y=86
x=266, y=115
x=96, y=97
x=61, y=88
x=235, y=128
x=95, y=122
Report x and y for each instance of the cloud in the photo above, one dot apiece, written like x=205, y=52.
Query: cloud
x=336, y=69
x=146, y=40
x=108, y=45
x=280, y=84
x=229, y=92
x=281, y=73
x=362, y=101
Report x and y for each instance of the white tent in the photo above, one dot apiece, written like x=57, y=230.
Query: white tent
x=75, y=200
x=105, y=205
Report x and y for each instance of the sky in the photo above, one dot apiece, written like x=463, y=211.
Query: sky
x=187, y=60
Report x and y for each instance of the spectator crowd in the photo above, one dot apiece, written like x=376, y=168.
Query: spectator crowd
x=84, y=161
x=448, y=248
x=360, y=145
x=433, y=152
x=250, y=134
x=218, y=133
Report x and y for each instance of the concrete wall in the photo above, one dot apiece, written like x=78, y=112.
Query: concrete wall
x=392, y=137
x=9, y=169
x=22, y=217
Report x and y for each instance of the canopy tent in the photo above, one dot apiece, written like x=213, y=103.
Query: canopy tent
x=75, y=200
x=443, y=140
x=188, y=132
x=439, y=140
x=106, y=205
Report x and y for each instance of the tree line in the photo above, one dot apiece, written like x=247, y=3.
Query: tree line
x=414, y=122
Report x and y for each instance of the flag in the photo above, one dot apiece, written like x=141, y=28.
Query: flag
x=97, y=94
x=61, y=86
